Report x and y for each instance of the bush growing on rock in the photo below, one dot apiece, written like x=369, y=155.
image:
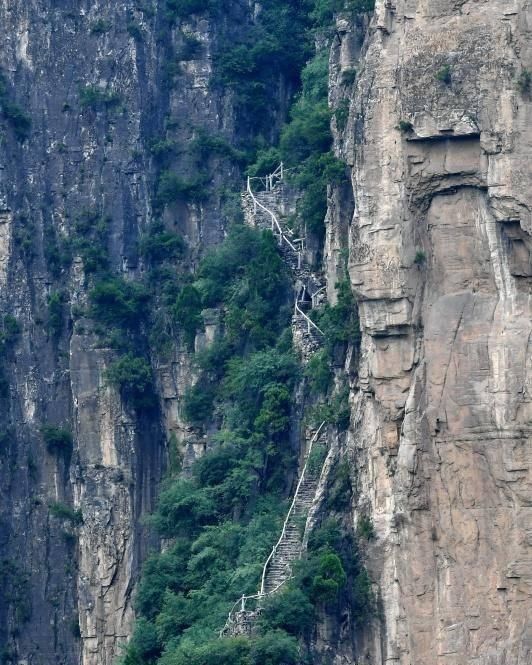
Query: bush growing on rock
x=57, y=439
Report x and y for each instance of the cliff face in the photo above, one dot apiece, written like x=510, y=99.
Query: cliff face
x=99, y=82
x=440, y=259
x=436, y=224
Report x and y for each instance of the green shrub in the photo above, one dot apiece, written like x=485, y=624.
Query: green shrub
x=18, y=119
x=198, y=403
x=349, y=76
x=132, y=375
x=184, y=8
x=318, y=372
x=58, y=440
x=160, y=245
x=64, y=512
x=524, y=81
x=55, y=313
x=289, y=610
x=174, y=189
x=58, y=254
x=117, y=302
x=340, y=322
x=134, y=30
x=329, y=578
x=444, y=74
x=9, y=331
x=89, y=241
x=93, y=97
x=365, y=528
x=161, y=149
x=317, y=458
x=187, y=313
x=340, y=491
x=405, y=126
x=100, y=27
x=275, y=648
x=190, y=49
x=420, y=257
x=341, y=114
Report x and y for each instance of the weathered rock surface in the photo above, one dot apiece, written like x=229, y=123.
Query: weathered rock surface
x=440, y=246
x=66, y=587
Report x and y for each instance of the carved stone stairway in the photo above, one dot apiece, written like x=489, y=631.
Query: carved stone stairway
x=278, y=567
x=288, y=549
x=265, y=210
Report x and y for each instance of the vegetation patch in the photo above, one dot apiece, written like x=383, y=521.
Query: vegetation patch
x=59, y=441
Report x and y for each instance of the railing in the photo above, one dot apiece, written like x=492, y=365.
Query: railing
x=262, y=594
x=315, y=294
x=309, y=321
x=290, y=510
x=276, y=227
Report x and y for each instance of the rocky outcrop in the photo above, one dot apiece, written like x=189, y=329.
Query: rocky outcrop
x=439, y=259
x=91, y=88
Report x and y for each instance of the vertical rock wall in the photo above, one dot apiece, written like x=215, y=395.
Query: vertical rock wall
x=439, y=143
x=66, y=587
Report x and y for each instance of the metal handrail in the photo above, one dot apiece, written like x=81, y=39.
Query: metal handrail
x=275, y=221
x=263, y=594
x=290, y=510
x=309, y=321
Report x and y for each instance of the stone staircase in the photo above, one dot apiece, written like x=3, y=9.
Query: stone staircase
x=278, y=567
x=265, y=210
x=288, y=549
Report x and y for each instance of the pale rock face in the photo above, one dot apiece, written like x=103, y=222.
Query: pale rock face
x=440, y=260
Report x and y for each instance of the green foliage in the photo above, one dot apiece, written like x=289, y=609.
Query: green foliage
x=365, y=528
x=173, y=189
x=524, y=81
x=55, y=313
x=159, y=245
x=9, y=331
x=13, y=113
x=58, y=254
x=341, y=114
x=89, y=241
x=64, y=512
x=117, y=302
x=187, y=313
x=185, y=8
x=318, y=372
x=132, y=375
x=330, y=577
x=405, y=126
x=205, y=145
x=317, y=458
x=340, y=491
x=58, y=440
x=100, y=27
x=340, y=322
x=420, y=257
x=349, y=76
x=275, y=648
x=289, y=610
x=190, y=49
x=134, y=30
x=444, y=74
x=96, y=98
x=251, y=66
x=247, y=274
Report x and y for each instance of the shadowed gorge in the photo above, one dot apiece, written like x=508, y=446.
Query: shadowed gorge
x=265, y=322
